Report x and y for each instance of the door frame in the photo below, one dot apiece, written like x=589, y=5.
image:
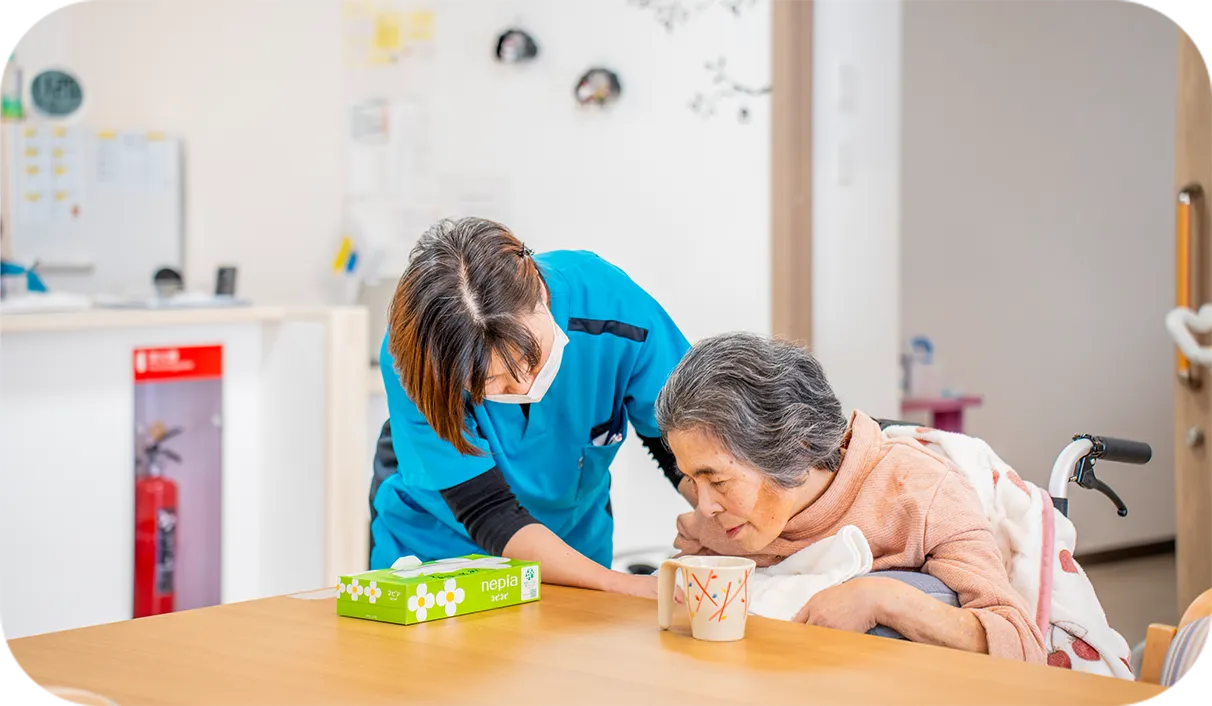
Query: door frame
x=791, y=170
x=1193, y=404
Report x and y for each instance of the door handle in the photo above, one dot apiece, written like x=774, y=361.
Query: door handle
x=1186, y=262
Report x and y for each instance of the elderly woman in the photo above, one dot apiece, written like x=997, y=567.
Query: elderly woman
x=777, y=466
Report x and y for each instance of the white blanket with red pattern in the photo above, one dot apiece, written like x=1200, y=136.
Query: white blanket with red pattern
x=1036, y=542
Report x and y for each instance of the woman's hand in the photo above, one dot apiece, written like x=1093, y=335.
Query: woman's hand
x=852, y=606
x=640, y=586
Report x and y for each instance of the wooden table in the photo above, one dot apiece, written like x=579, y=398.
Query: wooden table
x=572, y=647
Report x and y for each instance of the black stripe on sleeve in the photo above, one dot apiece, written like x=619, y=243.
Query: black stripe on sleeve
x=597, y=327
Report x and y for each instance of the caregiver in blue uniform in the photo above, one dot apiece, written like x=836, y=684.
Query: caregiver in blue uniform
x=511, y=379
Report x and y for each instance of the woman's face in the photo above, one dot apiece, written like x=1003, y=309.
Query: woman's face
x=749, y=507
x=499, y=381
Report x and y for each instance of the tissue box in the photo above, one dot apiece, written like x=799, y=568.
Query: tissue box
x=414, y=592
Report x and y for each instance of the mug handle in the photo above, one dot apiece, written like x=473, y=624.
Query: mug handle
x=665, y=585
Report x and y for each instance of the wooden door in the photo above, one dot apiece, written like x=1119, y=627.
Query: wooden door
x=1193, y=386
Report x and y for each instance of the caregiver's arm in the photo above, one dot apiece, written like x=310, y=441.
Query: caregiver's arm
x=495, y=520
x=961, y=552
x=565, y=566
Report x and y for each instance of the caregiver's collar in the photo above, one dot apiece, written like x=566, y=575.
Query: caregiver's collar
x=557, y=285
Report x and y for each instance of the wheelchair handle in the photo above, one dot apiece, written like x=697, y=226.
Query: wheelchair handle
x=1076, y=464
x=1122, y=450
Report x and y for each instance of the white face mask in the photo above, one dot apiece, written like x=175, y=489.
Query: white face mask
x=546, y=375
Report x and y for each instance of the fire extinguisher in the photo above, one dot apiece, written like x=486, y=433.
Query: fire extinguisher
x=155, y=530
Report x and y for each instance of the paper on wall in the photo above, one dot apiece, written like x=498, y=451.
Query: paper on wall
x=66, y=182
x=121, y=158
x=108, y=158
x=387, y=40
x=160, y=172
x=49, y=183
x=408, y=151
x=388, y=151
x=34, y=208
x=133, y=159
x=382, y=32
x=365, y=171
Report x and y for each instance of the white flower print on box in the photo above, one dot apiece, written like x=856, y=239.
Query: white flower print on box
x=421, y=602
x=353, y=590
x=373, y=592
x=450, y=597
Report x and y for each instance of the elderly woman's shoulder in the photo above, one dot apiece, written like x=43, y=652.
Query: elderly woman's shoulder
x=921, y=463
x=917, y=449
x=925, y=470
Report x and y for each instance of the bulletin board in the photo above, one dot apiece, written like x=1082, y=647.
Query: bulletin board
x=98, y=211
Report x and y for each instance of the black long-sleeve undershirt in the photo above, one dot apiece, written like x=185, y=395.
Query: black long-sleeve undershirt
x=664, y=457
x=487, y=507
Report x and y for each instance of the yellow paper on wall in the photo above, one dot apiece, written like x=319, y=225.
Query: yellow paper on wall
x=388, y=39
x=420, y=26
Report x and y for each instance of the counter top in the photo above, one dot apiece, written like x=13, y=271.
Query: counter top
x=102, y=318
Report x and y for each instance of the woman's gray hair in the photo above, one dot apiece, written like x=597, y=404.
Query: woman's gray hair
x=766, y=401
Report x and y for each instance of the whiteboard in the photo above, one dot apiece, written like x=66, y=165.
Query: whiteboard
x=99, y=211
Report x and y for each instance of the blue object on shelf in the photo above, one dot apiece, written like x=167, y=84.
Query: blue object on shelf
x=33, y=283
x=923, y=349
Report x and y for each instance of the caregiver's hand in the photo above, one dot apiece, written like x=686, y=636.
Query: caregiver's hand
x=852, y=606
x=641, y=586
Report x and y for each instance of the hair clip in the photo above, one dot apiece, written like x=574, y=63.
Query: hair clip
x=527, y=252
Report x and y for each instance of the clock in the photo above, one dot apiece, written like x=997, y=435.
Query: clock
x=56, y=93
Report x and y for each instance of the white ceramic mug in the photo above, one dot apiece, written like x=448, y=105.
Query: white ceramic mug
x=716, y=592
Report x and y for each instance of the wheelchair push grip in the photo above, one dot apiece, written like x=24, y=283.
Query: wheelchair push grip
x=1124, y=451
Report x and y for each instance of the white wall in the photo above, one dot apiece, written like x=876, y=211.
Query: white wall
x=1037, y=241
x=259, y=92
x=67, y=469
x=249, y=86
x=856, y=147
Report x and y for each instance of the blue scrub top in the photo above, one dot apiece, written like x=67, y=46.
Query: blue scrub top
x=621, y=348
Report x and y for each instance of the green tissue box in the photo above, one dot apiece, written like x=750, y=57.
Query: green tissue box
x=414, y=592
